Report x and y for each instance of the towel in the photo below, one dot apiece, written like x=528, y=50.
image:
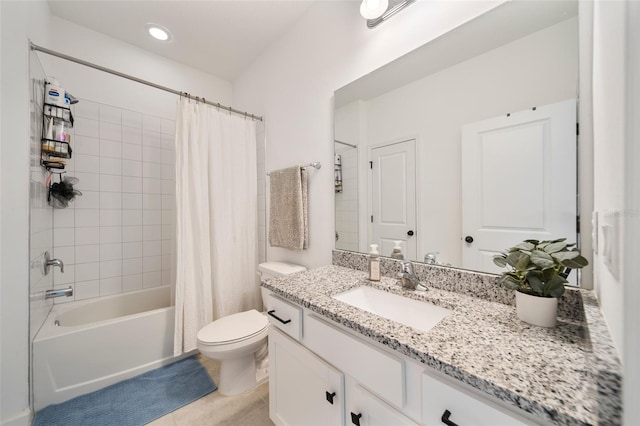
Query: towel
x=288, y=227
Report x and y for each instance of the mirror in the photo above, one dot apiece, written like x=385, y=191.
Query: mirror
x=432, y=149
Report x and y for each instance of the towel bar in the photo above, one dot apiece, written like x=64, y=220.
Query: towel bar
x=315, y=164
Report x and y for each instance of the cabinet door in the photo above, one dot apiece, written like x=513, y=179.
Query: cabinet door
x=460, y=407
x=303, y=389
x=364, y=409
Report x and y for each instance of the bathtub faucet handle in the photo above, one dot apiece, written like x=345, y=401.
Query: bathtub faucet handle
x=48, y=262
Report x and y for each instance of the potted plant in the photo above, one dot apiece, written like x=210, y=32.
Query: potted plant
x=538, y=272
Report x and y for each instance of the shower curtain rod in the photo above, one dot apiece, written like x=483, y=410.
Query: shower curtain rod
x=345, y=143
x=139, y=80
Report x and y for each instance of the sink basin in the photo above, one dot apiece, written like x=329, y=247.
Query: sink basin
x=413, y=313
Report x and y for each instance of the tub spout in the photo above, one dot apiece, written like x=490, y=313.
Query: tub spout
x=49, y=294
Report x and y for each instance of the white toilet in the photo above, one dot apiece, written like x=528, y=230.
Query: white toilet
x=235, y=340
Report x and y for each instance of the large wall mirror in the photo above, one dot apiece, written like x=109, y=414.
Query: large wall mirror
x=467, y=145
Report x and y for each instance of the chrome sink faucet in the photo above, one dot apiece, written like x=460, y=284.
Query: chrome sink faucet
x=408, y=279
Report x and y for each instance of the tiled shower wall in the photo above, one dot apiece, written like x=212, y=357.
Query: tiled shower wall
x=119, y=235
x=347, y=200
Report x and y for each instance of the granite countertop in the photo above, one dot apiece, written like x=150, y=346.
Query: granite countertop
x=569, y=374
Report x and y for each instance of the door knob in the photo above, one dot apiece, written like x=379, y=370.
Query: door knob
x=410, y=233
x=468, y=239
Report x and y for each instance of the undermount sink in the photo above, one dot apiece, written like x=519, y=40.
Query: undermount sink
x=422, y=316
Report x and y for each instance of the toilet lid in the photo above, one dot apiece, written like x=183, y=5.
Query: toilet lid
x=234, y=327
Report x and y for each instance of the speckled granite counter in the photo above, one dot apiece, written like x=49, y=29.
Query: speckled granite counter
x=569, y=374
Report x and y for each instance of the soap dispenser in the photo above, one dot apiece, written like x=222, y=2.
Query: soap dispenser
x=374, y=263
x=397, y=251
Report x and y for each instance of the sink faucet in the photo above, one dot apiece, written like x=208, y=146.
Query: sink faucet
x=430, y=257
x=408, y=279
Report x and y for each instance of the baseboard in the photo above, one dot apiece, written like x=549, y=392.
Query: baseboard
x=20, y=419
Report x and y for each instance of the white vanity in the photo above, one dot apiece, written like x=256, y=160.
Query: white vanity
x=334, y=364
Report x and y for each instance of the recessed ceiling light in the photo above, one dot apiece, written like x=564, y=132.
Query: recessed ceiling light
x=372, y=9
x=159, y=32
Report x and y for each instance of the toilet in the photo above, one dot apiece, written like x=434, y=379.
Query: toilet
x=236, y=339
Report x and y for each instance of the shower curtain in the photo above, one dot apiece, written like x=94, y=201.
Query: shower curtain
x=216, y=223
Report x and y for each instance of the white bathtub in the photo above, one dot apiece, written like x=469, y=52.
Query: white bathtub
x=99, y=342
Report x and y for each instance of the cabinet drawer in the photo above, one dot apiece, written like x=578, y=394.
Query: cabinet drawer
x=381, y=373
x=464, y=408
x=366, y=410
x=286, y=316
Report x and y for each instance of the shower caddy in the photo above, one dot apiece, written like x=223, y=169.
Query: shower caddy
x=55, y=148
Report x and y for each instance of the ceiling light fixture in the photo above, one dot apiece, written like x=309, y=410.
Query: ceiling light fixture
x=159, y=32
x=378, y=11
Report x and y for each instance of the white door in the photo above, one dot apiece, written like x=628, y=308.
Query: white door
x=393, y=197
x=518, y=181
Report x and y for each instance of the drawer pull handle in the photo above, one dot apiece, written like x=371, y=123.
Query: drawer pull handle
x=330, y=397
x=271, y=313
x=355, y=418
x=445, y=418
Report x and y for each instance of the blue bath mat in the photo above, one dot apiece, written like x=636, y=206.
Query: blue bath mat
x=136, y=401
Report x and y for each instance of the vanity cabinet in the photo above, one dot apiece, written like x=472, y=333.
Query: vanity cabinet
x=323, y=373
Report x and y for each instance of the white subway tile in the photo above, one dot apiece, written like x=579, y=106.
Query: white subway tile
x=166, y=277
x=151, y=186
x=87, y=235
x=131, y=152
x=87, y=289
x=152, y=170
x=112, y=251
x=168, y=142
x=151, y=232
x=110, y=183
x=152, y=279
x=167, y=126
x=86, y=109
x=131, y=233
x=152, y=201
x=168, y=157
x=132, y=168
x=132, y=119
x=151, y=248
x=66, y=277
x=131, y=184
x=131, y=250
x=86, y=145
x=168, y=217
x=131, y=135
x=132, y=266
x=132, y=201
x=131, y=217
x=167, y=232
x=63, y=218
x=168, y=202
x=168, y=187
x=110, y=217
x=87, y=163
x=87, y=181
x=63, y=237
x=67, y=254
x=132, y=282
x=110, y=166
x=86, y=127
x=88, y=200
x=150, y=138
x=111, y=200
x=110, y=131
x=151, y=263
x=168, y=171
x=87, y=217
x=110, y=114
x=152, y=217
x=110, y=234
x=110, y=286
x=152, y=123
x=87, y=253
x=87, y=271
x=111, y=268
x=167, y=247
x=112, y=149
x=151, y=155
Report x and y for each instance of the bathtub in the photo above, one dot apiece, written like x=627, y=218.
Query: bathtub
x=99, y=342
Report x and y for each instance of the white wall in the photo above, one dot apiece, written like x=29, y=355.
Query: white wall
x=609, y=161
x=293, y=82
x=20, y=21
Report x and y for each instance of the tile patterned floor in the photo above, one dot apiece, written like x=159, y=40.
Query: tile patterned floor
x=248, y=409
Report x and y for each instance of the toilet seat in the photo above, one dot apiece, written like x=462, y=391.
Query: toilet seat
x=233, y=328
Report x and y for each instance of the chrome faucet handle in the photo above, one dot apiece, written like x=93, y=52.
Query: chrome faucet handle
x=48, y=263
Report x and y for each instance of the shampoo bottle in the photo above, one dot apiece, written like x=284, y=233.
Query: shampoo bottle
x=374, y=263
x=397, y=250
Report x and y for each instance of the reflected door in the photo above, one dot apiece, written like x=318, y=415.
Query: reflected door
x=393, y=178
x=516, y=173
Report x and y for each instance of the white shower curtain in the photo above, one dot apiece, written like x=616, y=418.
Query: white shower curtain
x=216, y=228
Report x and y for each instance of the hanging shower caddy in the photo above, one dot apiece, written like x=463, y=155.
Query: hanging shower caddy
x=55, y=137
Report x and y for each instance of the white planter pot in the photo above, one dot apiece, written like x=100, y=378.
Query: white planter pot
x=541, y=311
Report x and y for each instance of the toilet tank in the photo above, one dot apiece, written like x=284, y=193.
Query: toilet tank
x=275, y=269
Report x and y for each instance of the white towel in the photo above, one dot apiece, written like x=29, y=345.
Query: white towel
x=288, y=227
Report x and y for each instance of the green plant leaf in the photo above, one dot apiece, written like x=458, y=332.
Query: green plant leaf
x=565, y=255
x=542, y=259
x=575, y=263
x=534, y=278
x=509, y=282
x=555, y=247
x=525, y=246
x=513, y=258
x=555, y=287
x=523, y=262
x=500, y=260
